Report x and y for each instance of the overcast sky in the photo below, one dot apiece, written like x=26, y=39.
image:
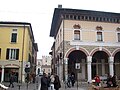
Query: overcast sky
x=40, y=12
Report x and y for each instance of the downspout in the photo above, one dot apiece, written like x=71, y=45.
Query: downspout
x=22, y=53
x=63, y=51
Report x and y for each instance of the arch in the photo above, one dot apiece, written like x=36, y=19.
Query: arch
x=12, y=65
x=118, y=29
x=74, y=48
x=115, y=51
x=99, y=28
x=100, y=49
x=76, y=26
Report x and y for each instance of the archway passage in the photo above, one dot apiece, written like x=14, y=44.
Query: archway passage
x=117, y=64
x=74, y=57
x=100, y=64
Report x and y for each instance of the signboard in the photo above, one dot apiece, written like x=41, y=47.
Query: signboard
x=27, y=67
x=77, y=66
x=27, y=64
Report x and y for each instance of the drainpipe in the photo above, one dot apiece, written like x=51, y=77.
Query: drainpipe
x=63, y=50
x=22, y=53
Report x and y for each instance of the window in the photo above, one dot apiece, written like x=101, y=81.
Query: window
x=118, y=34
x=76, y=35
x=99, y=36
x=12, y=54
x=14, y=36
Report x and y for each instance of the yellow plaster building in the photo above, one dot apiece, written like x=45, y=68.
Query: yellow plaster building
x=17, y=48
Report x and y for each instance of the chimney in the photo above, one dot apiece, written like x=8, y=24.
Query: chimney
x=59, y=6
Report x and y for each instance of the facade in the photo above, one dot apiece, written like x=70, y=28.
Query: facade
x=86, y=43
x=17, y=49
x=39, y=67
x=46, y=64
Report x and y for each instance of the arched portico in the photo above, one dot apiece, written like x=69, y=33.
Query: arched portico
x=102, y=62
x=116, y=55
x=77, y=55
x=98, y=61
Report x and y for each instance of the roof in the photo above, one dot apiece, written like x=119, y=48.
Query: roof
x=7, y=22
x=60, y=12
x=19, y=23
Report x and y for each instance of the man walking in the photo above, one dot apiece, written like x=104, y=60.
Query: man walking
x=11, y=80
x=44, y=82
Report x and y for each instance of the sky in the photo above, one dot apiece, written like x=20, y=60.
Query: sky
x=40, y=12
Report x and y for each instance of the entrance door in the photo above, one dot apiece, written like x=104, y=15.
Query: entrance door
x=8, y=71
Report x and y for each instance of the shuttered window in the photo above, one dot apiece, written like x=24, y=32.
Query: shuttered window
x=118, y=37
x=14, y=37
x=12, y=54
x=99, y=36
x=76, y=35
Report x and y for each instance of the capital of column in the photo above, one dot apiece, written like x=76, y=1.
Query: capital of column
x=111, y=59
x=89, y=59
x=2, y=67
x=66, y=60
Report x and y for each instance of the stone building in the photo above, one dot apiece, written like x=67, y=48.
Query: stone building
x=86, y=43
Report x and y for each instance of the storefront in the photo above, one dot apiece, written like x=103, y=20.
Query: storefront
x=9, y=71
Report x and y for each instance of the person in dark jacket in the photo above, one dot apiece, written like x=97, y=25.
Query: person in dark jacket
x=57, y=83
x=109, y=81
x=114, y=82
x=44, y=82
x=72, y=80
x=11, y=80
x=69, y=81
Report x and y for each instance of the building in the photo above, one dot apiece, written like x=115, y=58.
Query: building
x=17, y=50
x=46, y=64
x=86, y=43
x=39, y=67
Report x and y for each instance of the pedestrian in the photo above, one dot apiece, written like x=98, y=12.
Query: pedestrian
x=72, y=80
x=44, y=82
x=109, y=81
x=114, y=82
x=57, y=83
x=49, y=88
x=11, y=80
x=69, y=81
x=97, y=80
x=33, y=76
x=52, y=79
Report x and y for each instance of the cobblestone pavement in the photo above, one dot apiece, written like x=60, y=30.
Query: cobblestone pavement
x=36, y=86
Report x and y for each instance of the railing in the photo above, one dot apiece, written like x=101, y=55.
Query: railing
x=3, y=87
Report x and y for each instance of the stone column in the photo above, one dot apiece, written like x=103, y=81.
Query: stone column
x=103, y=66
x=66, y=68
x=2, y=77
x=83, y=68
x=111, y=61
x=58, y=64
x=60, y=70
x=89, y=60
